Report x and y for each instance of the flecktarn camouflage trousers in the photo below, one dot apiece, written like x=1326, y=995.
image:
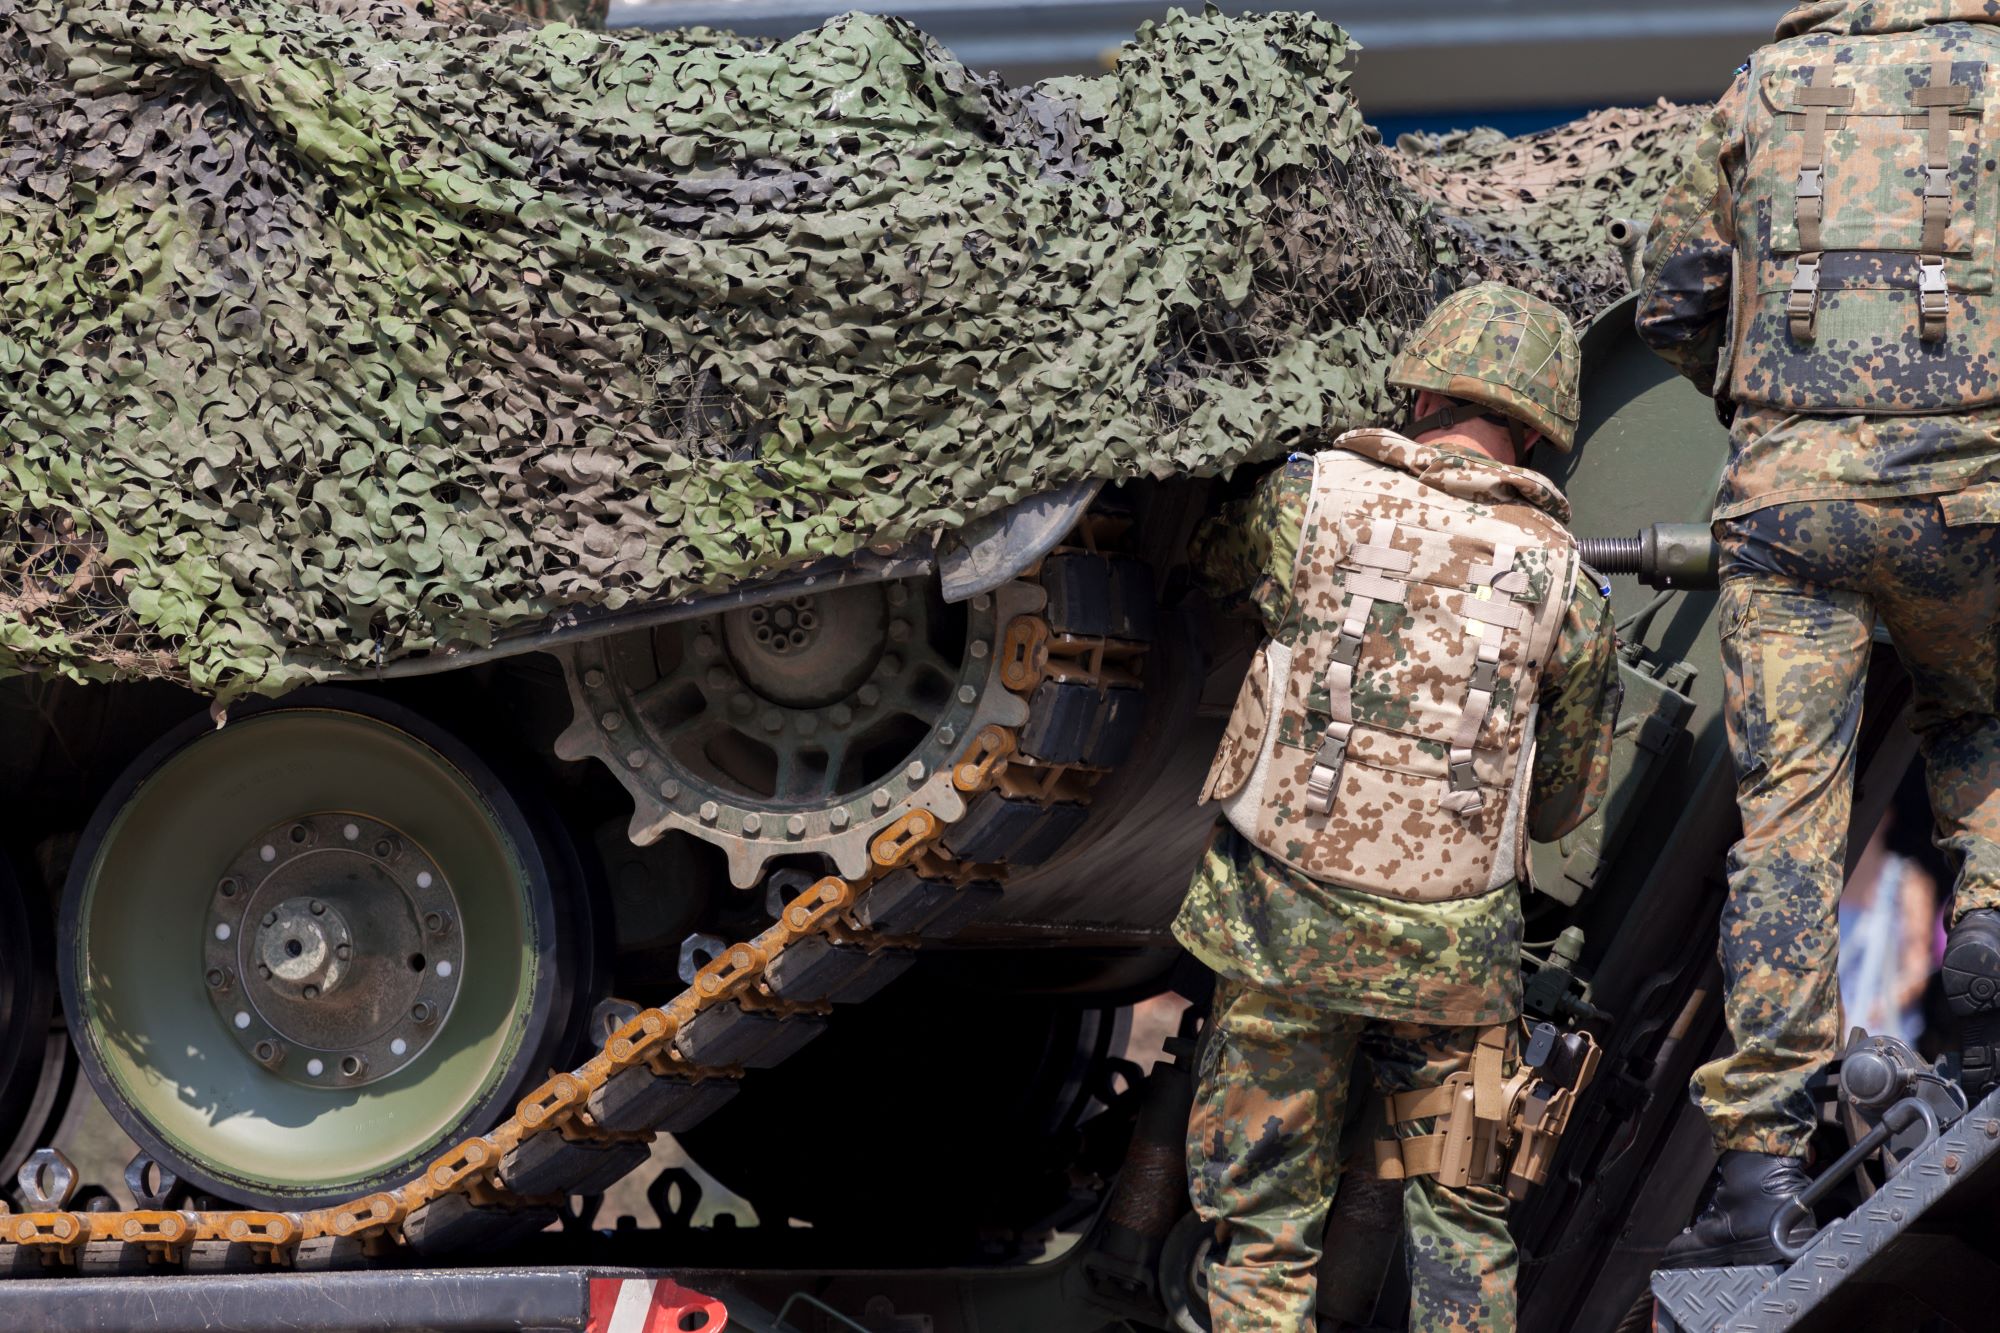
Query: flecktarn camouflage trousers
x=1802, y=587
x=1263, y=1147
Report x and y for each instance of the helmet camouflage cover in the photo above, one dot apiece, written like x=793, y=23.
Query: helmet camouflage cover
x=1501, y=348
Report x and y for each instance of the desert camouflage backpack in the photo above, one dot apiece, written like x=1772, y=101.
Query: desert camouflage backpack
x=1383, y=741
x=1866, y=225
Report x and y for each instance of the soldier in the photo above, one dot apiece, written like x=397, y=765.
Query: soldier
x=1440, y=682
x=1825, y=270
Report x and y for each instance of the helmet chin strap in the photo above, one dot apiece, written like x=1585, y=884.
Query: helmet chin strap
x=1460, y=413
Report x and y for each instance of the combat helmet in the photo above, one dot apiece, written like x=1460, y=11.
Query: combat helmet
x=1501, y=350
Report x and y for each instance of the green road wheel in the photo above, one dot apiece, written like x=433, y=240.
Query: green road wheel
x=306, y=952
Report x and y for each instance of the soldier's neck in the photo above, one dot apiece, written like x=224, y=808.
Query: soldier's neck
x=1476, y=437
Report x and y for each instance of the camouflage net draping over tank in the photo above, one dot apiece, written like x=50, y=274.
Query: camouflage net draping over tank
x=332, y=333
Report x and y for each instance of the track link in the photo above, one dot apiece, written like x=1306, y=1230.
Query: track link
x=1017, y=792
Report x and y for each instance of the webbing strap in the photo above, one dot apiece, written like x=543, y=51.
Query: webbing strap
x=1363, y=591
x=1399, y=1159
x=1447, y=417
x=1462, y=794
x=1809, y=193
x=1933, y=296
x=1489, y=1067
x=1419, y=1105
x=1809, y=202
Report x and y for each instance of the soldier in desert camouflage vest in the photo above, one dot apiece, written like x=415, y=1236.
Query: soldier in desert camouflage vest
x=1826, y=270
x=1439, y=686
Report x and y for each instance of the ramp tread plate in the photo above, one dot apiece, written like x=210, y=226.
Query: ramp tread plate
x=1770, y=1300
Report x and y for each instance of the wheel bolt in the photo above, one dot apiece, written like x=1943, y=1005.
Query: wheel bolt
x=264, y=971
x=318, y=908
x=421, y=1011
x=594, y=678
x=899, y=631
x=915, y=772
x=436, y=922
x=311, y=992
x=270, y=918
x=227, y=888
x=671, y=790
x=838, y=818
x=753, y=823
x=759, y=614
x=351, y=1066
x=891, y=665
x=719, y=678
x=709, y=812
x=796, y=826
x=966, y=694
x=977, y=648
x=270, y=1053
x=868, y=696
x=635, y=759
x=217, y=979
x=773, y=720
x=611, y=721
x=343, y=951
x=880, y=800
x=840, y=715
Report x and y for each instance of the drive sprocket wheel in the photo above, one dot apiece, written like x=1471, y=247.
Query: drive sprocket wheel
x=805, y=725
x=304, y=952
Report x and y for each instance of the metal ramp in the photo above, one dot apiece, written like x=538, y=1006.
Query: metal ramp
x=1922, y=1254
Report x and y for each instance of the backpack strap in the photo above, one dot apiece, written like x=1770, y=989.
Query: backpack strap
x=1809, y=201
x=1497, y=609
x=1933, y=297
x=1379, y=583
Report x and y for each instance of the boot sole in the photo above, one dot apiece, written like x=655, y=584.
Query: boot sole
x=1972, y=990
x=1738, y=1254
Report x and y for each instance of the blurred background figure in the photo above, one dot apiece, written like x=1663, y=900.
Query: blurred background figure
x=1891, y=939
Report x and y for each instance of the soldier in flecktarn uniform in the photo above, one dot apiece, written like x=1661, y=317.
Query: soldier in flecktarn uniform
x=1825, y=270
x=1439, y=686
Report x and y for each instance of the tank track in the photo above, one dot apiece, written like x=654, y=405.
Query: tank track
x=1071, y=656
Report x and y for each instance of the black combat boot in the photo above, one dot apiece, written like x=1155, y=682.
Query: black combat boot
x=1735, y=1228
x=1972, y=985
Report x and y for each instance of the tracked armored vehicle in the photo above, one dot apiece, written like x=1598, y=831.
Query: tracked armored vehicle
x=646, y=731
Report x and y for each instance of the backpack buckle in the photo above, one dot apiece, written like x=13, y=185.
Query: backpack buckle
x=1348, y=650
x=1937, y=183
x=1812, y=183
x=1802, y=306
x=1933, y=297
x=1323, y=783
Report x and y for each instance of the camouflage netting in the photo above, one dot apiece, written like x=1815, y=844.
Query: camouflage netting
x=336, y=332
